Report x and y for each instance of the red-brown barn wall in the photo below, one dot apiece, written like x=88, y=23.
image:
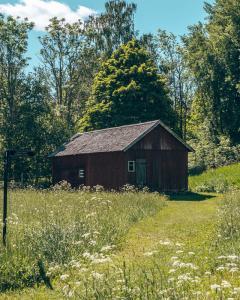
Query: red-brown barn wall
x=166, y=169
x=167, y=160
x=106, y=169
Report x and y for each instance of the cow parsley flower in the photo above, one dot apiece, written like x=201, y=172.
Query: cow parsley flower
x=64, y=277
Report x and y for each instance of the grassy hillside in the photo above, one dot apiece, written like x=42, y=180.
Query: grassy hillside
x=216, y=180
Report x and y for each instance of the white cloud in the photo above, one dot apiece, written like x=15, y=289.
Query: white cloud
x=40, y=11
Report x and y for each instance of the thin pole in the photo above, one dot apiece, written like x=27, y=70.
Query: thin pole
x=5, y=189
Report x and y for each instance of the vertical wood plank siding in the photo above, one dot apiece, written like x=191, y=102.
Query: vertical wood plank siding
x=166, y=159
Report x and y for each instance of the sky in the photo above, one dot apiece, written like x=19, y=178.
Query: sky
x=172, y=15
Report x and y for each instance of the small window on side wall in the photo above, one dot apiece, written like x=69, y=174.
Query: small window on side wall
x=81, y=173
x=131, y=166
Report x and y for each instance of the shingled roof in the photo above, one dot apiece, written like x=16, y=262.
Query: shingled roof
x=110, y=139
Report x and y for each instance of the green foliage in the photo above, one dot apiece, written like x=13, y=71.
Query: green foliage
x=13, y=60
x=112, y=28
x=212, y=51
x=216, y=180
x=173, y=65
x=211, y=151
x=127, y=89
x=64, y=51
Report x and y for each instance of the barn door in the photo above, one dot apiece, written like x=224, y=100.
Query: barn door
x=141, y=172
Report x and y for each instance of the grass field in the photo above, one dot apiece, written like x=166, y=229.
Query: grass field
x=217, y=180
x=132, y=245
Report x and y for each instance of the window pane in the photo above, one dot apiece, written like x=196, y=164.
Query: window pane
x=81, y=173
x=131, y=166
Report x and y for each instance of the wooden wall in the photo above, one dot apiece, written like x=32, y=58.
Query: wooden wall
x=106, y=169
x=166, y=159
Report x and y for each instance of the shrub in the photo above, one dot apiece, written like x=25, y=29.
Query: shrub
x=214, y=185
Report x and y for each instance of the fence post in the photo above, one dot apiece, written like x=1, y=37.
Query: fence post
x=5, y=190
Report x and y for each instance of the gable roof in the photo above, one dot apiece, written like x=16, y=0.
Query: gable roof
x=111, y=139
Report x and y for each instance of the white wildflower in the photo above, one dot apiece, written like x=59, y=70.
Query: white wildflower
x=233, y=270
x=236, y=290
x=106, y=248
x=165, y=243
x=232, y=257
x=64, y=277
x=221, y=268
x=172, y=271
x=77, y=242
x=215, y=287
x=197, y=293
x=101, y=260
x=86, y=235
x=225, y=284
x=179, y=251
x=92, y=242
x=207, y=273
x=150, y=253
x=222, y=257
x=184, y=277
x=179, y=244
x=174, y=258
x=97, y=275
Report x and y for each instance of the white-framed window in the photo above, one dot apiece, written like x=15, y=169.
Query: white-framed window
x=81, y=173
x=131, y=166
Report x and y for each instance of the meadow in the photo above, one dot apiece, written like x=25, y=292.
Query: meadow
x=129, y=245
x=219, y=180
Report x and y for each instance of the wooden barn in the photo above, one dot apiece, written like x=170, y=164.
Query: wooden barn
x=145, y=154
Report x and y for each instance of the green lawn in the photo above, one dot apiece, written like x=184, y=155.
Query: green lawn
x=219, y=180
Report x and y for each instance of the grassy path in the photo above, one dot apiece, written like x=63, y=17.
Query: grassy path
x=187, y=219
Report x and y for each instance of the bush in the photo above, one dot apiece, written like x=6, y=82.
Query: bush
x=215, y=185
x=211, y=151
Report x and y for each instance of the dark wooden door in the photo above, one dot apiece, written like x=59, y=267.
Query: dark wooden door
x=141, y=172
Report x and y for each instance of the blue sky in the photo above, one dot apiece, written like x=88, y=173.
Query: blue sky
x=171, y=15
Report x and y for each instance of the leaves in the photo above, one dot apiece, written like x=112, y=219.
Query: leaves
x=127, y=89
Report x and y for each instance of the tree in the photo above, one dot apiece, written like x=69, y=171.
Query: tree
x=172, y=64
x=112, y=28
x=38, y=128
x=68, y=63
x=212, y=52
x=13, y=47
x=127, y=89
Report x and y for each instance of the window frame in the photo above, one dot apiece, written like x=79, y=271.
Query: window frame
x=131, y=166
x=81, y=173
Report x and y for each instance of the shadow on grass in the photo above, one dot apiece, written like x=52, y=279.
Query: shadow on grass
x=189, y=196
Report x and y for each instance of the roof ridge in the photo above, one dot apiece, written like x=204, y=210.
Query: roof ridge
x=129, y=125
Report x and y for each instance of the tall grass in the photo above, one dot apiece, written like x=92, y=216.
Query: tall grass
x=55, y=229
x=173, y=270
x=218, y=180
x=74, y=236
